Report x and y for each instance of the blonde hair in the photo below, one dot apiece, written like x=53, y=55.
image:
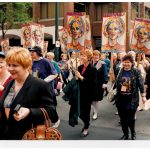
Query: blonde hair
x=51, y=54
x=21, y=56
x=96, y=52
x=89, y=54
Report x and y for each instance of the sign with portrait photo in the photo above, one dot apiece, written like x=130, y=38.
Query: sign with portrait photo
x=44, y=50
x=33, y=35
x=114, y=32
x=88, y=40
x=5, y=45
x=63, y=37
x=76, y=27
x=140, y=40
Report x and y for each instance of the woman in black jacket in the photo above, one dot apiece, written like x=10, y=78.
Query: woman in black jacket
x=102, y=79
x=128, y=84
x=87, y=75
x=31, y=93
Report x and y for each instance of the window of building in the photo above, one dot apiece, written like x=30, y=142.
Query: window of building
x=43, y=11
x=115, y=7
x=134, y=10
x=104, y=8
x=98, y=12
x=147, y=13
x=101, y=9
x=61, y=9
x=81, y=7
x=47, y=10
x=51, y=10
x=98, y=43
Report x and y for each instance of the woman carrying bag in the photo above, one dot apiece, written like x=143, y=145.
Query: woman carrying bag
x=128, y=85
x=27, y=91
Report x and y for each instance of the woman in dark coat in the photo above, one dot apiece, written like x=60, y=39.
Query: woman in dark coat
x=128, y=84
x=87, y=76
x=31, y=93
x=102, y=79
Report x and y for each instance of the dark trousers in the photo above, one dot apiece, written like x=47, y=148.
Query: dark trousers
x=127, y=117
x=85, y=114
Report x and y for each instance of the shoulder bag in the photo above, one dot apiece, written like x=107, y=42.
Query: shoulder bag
x=111, y=96
x=43, y=132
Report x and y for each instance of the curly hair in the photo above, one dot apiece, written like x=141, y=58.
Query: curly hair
x=128, y=57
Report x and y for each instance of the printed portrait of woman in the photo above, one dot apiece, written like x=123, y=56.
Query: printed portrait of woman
x=76, y=30
x=38, y=37
x=113, y=31
x=88, y=42
x=45, y=47
x=142, y=37
x=27, y=37
x=63, y=36
x=5, y=45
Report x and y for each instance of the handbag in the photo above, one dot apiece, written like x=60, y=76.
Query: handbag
x=43, y=132
x=112, y=94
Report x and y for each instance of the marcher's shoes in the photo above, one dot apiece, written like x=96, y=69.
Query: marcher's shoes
x=124, y=137
x=84, y=133
x=56, y=124
x=133, y=136
x=116, y=113
x=94, y=117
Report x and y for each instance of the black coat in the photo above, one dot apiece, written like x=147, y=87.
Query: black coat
x=72, y=93
x=136, y=85
x=102, y=78
x=34, y=94
x=88, y=92
x=88, y=87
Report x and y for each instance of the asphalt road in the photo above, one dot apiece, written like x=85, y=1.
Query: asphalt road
x=105, y=127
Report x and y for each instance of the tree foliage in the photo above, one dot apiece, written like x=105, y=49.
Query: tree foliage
x=12, y=13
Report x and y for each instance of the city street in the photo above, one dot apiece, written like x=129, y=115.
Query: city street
x=106, y=127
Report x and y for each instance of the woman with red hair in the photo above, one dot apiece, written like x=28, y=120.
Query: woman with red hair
x=87, y=76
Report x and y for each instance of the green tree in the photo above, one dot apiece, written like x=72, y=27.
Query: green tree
x=14, y=13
